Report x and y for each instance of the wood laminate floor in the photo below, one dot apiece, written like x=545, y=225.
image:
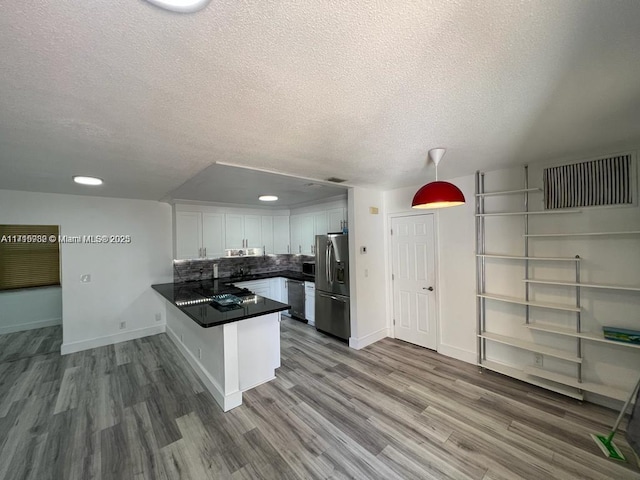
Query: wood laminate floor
x=136, y=411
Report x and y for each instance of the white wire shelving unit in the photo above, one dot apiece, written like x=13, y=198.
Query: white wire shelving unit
x=571, y=385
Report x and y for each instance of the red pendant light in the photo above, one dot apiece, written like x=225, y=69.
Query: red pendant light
x=437, y=194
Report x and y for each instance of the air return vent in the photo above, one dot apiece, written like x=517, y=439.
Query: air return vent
x=336, y=180
x=606, y=181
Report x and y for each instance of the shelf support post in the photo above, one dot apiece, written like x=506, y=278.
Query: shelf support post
x=526, y=240
x=480, y=300
x=483, y=324
x=578, y=318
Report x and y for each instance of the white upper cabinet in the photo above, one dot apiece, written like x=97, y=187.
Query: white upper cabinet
x=213, y=234
x=281, y=237
x=199, y=235
x=308, y=234
x=188, y=235
x=253, y=231
x=203, y=231
x=320, y=223
x=243, y=231
x=267, y=234
x=234, y=235
x=335, y=219
x=302, y=233
x=296, y=232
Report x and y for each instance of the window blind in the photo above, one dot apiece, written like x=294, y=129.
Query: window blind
x=28, y=256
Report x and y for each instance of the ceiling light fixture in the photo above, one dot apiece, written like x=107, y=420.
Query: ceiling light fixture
x=83, y=180
x=437, y=194
x=182, y=6
x=267, y=198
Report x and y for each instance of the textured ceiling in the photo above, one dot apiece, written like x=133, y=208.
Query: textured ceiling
x=227, y=184
x=147, y=99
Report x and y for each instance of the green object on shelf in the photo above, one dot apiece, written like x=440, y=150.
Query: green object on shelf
x=621, y=335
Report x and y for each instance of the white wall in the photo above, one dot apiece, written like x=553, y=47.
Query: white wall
x=607, y=259
x=327, y=204
x=368, y=272
x=121, y=273
x=30, y=308
x=455, y=288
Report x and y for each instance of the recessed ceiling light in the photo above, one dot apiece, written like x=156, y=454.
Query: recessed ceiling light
x=87, y=180
x=183, y=6
x=267, y=198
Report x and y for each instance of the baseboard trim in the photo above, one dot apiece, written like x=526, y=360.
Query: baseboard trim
x=359, y=343
x=457, y=353
x=74, y=347
x=50, y=322
x=226, y=402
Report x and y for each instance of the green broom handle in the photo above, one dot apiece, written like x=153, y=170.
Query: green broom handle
x=624, y=409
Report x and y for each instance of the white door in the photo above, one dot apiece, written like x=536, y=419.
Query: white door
x=414, y=296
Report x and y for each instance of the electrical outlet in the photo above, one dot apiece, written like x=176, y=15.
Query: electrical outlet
x=200, y=353
x=123, y=325
x=538, y=359
x=158, y=317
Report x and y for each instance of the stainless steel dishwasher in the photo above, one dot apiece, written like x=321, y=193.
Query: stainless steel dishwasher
x=296, y=299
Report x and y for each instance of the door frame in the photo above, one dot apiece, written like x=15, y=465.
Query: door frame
x=436, y=247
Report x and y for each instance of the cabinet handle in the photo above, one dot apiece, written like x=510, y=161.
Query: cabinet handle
x=288, y=248
x=299, y=248
x=200, y=252
x=205, y=251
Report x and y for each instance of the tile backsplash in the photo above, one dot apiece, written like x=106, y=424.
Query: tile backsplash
x=187, y=270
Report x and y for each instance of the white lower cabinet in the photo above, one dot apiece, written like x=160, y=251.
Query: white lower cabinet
x=259, y=287
x=310, y=302
x=279, y=291
x=276, y=289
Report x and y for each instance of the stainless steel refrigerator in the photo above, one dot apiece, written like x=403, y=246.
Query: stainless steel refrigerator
x=332, y=285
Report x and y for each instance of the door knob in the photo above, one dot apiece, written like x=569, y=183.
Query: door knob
x=430, y=288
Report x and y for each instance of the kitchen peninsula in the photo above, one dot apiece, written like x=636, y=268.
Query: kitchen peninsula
x=232, y=348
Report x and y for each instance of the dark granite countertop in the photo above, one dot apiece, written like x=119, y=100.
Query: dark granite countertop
x=290, y=274
x=193, y=299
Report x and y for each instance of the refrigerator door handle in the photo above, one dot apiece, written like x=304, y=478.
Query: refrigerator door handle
x=331, y=270
x=332, y=297
x=326, y=263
